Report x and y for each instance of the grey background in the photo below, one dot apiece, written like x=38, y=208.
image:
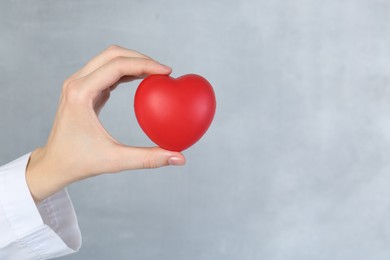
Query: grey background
x=296, y=164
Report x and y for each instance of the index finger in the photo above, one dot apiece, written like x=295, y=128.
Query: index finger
x=110, y=73
x=108, y=54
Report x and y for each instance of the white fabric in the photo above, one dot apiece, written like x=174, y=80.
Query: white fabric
x=30, y=231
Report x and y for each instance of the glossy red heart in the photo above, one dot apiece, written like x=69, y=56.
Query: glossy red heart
x=174, y=113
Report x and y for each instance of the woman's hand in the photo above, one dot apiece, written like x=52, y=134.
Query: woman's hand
x=78, y=146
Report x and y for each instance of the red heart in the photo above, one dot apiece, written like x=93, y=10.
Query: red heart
x=174, y=113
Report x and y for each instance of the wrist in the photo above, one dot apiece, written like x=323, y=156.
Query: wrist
x=41, y=177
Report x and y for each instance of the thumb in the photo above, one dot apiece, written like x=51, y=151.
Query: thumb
x=148, y=157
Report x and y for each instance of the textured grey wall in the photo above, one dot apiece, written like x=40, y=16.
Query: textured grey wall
x=297, y=162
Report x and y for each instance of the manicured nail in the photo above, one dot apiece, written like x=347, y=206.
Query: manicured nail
x=175, y=161
x=166, y=66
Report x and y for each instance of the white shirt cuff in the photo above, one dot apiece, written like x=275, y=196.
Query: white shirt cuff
x=42, y=231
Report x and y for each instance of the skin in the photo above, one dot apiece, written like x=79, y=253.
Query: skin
x=78, y=146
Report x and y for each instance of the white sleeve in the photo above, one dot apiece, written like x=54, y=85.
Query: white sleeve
x=30, y=231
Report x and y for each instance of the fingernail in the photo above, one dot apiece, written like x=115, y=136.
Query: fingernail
x=166, y=66
x=175, y=161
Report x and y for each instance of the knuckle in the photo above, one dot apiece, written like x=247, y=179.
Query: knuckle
x=119, y=64
x=150, y=162
x=72, y=91
x=114, y=51
x=67, y=85
x=119, y=60
x=113, y=48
